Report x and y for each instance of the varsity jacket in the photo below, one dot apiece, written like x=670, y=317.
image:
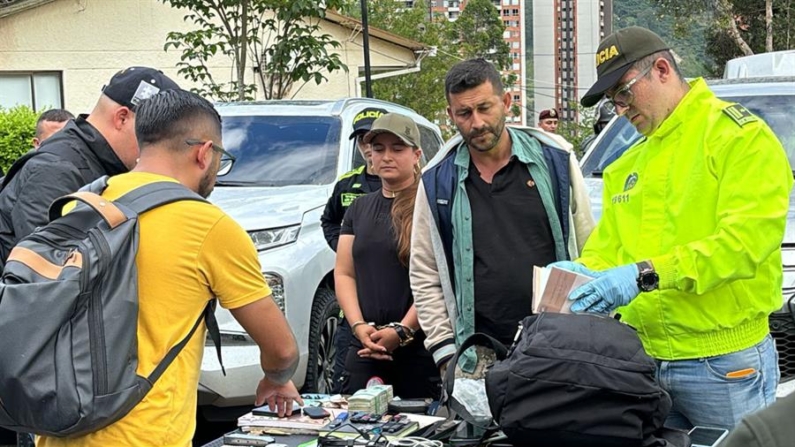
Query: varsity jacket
x=442, y=263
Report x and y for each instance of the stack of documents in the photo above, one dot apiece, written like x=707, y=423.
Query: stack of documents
x=551, y=287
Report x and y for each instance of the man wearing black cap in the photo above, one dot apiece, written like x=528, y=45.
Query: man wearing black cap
x=101, y=143
x=351, y=185
x=688, y=248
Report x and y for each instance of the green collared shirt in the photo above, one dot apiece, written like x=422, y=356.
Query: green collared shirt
x=528, y=151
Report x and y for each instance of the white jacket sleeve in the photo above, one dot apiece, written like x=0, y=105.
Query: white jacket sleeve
x=425, y=273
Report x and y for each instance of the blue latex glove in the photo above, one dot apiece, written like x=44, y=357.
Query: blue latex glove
x=613, y=288
x=575, y=267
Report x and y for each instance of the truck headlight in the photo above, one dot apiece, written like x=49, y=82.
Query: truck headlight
x=274, y=237
x=276, y=283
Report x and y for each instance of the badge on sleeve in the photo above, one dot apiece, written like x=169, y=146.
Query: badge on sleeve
x=740, y=114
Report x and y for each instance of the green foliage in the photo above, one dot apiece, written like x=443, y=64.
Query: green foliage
x=699, y=31
x=280, y=38
x=17, y=129
x=476, y=33
x=688, y=41
x=422, y=91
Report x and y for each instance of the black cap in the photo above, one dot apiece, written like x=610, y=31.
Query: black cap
x=364, y=120
x=615, y=57
x=132, y=85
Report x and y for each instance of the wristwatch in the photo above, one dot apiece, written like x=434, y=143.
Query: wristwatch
x=405, y=333
x=648, y=279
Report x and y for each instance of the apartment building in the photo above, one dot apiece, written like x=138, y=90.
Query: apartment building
x=565, y=35
x=552, y=47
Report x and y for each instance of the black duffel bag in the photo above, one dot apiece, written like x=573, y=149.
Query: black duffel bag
x=577, y=380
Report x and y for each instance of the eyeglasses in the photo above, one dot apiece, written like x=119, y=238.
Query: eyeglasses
x=226, y=158
x=623, y=97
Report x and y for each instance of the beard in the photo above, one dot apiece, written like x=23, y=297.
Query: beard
x=492, y=134
x=206, y=185
x=207, y=182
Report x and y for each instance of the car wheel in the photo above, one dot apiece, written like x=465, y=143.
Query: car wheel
x=324, y=323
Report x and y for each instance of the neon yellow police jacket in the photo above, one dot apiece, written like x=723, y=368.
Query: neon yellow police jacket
x=705, y=198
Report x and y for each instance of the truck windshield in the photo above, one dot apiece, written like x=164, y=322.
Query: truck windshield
x=778, y=112
x=281, y=150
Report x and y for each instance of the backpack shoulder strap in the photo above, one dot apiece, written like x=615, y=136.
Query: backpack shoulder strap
x=208, y=315
x=149, y=197
x=157, y=194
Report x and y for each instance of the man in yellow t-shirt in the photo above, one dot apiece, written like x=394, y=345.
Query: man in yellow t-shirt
x=189, y=252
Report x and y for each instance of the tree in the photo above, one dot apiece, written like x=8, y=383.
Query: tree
x=478, y=32
x=575, y=132
x=422, y=91
x=734, y=27
x=281, y=39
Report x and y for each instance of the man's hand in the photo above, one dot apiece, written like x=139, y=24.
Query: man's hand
x=612, y=289
x=279, y=397
x=575, y=267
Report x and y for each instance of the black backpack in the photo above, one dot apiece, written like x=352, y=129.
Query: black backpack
x=575, y=380
x=69, y=314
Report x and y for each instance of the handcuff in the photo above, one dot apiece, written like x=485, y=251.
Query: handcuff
x=405, y=333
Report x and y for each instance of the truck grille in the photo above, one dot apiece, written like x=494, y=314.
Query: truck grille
x=782, y=327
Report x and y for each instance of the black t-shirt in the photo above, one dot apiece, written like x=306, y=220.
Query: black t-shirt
x=382, y=282
x=510, y=234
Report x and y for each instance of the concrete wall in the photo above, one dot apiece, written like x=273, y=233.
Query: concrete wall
x=89, y=40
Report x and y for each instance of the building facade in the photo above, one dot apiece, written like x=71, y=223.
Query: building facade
x=59, y=53
x=565, y=35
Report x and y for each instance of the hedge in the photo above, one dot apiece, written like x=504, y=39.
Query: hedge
x=17, y=129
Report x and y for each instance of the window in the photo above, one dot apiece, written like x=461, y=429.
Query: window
x=39, y=90
x=304, y=150
x=515, y=44
x=429, y=141
x=516, y=98
x=516, y=66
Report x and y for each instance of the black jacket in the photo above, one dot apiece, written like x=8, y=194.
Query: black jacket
x=71, y=158
x=350, y=186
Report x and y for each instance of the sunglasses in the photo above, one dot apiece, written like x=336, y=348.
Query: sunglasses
x=623, y=97
x=226, y=158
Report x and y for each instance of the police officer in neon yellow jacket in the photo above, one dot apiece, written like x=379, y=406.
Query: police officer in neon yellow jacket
x=688, y=247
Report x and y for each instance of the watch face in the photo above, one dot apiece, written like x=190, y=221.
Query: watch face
x=649, y=281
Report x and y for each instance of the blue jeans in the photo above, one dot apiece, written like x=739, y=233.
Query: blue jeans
x=720, y=391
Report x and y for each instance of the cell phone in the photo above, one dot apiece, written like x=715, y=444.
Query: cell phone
x=707, y=436
x=265, y=410
x=316, y=412
x=237, y=437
